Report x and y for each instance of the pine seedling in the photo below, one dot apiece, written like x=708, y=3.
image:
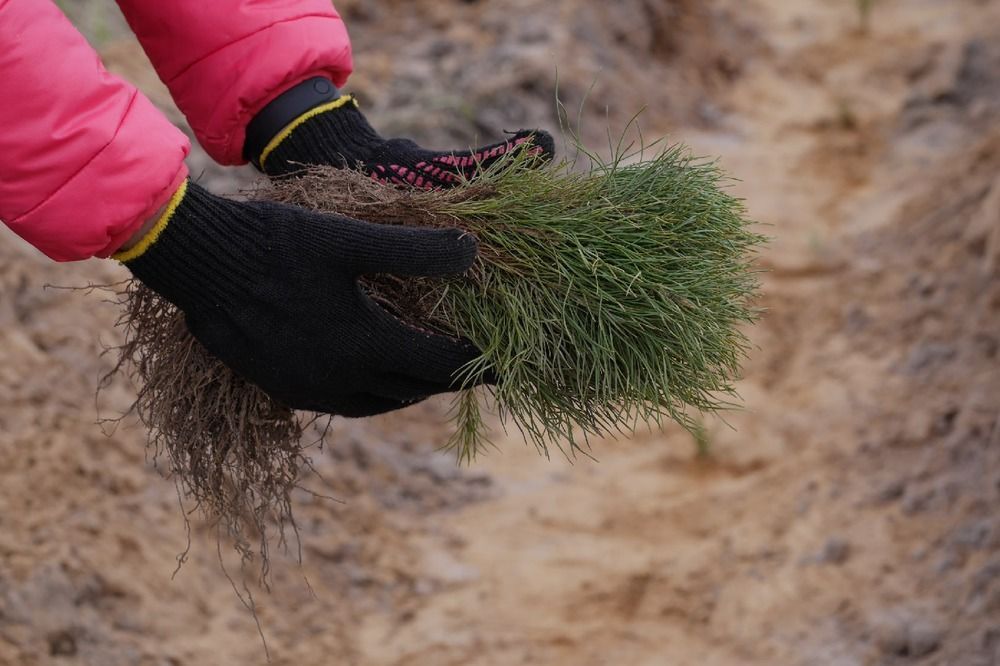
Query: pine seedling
x=702, y=439
x=865, y=9
x=603, y=299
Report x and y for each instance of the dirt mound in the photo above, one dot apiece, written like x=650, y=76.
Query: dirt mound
x=475, y=68
x=924, y=307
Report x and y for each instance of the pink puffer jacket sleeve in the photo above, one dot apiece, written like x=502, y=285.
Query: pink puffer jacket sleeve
x=224, y=60
x=85, y=157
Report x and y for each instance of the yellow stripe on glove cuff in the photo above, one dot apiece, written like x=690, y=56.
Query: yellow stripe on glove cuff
x=153, y=234
x=311, y=113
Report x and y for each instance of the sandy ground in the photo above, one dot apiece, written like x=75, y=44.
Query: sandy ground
x=847, y=516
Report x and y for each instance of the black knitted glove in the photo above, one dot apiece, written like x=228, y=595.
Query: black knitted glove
x=271, y=290
x=335, y=133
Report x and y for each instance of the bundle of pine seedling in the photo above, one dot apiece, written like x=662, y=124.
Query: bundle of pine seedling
x=604, y=300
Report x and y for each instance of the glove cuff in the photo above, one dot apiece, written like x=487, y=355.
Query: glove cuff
x=154, y=233
x=282, y=111
x=302, y=137
x=335, y=133
x=200, y=250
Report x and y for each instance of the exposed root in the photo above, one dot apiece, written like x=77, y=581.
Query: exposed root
x=233, y=451
x=604, y=300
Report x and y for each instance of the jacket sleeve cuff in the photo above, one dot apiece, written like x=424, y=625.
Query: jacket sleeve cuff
x=102, y=205
x=247, y=75
x=153, y=234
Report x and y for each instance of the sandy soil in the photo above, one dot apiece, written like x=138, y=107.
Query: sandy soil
x=848, y=516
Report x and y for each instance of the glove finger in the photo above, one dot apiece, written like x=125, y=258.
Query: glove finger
x=470, y=163
x=406, y=389
x=539, y=143
x=361, y=405
x=437, y=359
x=408, y=251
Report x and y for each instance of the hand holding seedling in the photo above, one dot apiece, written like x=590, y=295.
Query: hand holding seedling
x=271, y=290
x=313, y=124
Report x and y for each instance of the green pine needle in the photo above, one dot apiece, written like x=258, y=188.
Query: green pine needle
x=604, y=299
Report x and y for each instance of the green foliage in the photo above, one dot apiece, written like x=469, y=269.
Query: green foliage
x=604, y=299
x=865, y=8
x=702, y=439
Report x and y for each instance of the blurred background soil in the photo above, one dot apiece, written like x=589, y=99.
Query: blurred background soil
x=848, y=516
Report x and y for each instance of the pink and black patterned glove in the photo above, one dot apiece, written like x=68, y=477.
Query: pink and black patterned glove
x=314, y=124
